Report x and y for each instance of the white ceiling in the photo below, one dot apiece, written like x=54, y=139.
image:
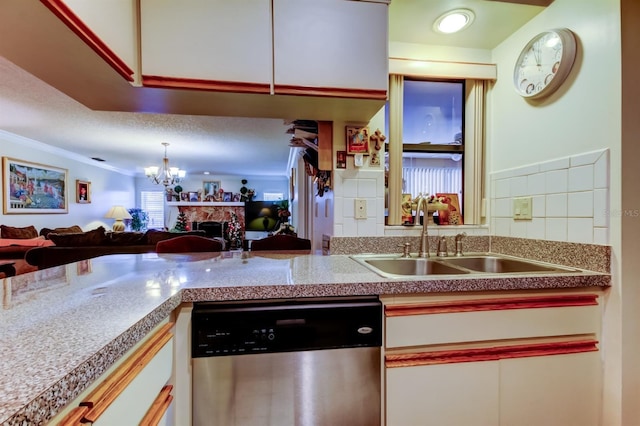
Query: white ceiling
x=222, y=145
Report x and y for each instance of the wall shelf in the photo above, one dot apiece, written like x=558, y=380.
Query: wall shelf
x=205, y=203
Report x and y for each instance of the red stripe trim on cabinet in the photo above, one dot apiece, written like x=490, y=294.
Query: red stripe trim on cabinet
x=490, y=354
x=210, y=85
x=491, y=304
x=76, y=25
x=331, y=92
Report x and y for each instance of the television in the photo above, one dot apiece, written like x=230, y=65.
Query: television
x=260, y=216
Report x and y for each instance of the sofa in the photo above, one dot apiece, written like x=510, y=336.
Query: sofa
x=59, y=246
x=14, y=244
x=86, y=245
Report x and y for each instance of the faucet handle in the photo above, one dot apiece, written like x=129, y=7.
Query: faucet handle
x=406, y=250
x=442, y=247
x=458, y=239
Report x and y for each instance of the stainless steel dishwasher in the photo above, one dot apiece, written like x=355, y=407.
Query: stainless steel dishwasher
x=291, y=362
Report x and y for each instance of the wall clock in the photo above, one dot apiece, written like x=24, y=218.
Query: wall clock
x=544, y=63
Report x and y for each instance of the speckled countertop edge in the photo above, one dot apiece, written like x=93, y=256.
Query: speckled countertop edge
x=46, y=405
x=347, y=279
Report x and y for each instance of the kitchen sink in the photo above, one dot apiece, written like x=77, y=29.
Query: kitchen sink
x=395, y=266
x=501, y=265
x=412, y=266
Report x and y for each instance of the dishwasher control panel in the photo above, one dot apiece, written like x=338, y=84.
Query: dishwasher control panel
x=234, y=341
x=238, y=328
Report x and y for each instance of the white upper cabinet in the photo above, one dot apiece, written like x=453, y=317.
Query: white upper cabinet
x=219, y=40
x=108, y=26
x=331, y=44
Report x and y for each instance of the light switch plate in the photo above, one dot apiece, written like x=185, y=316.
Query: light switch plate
x=522, y=208
x=361, y=208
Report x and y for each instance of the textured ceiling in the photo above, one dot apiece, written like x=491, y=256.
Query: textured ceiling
x=221, y=145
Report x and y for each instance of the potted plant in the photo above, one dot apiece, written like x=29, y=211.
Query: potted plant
x=139, y=219
x=246, y=194
x=177, y=189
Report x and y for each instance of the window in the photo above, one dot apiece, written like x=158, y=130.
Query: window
x=433, y=144
x=273, y=196
x=153, y=203
x=440, y=133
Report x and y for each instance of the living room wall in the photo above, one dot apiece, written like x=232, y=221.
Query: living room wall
x=108, y=186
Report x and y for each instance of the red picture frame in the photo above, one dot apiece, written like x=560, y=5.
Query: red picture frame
x=357, y=140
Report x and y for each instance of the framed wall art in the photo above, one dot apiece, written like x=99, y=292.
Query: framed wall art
x=83, y=191
x=210, y=188
x=33, y=187
x=357, y=140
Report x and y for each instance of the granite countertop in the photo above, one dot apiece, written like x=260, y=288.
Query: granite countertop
x=60, y=328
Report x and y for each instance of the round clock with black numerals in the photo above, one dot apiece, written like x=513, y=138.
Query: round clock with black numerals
x=544, y=63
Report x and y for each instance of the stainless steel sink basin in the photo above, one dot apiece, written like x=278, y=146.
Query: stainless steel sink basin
x=413, y=266
x=500, y=265
x=394, y=266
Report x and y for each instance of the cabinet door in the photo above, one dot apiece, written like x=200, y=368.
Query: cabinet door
x=560, y=390
x=217, y=40
x=325, y=44
x=454, y=394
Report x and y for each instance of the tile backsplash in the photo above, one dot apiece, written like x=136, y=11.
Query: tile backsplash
x=570, y=199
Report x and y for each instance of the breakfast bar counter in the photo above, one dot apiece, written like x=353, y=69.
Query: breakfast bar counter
x=62, y=327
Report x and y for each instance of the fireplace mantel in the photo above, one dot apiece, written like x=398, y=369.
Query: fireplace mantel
x=199, y=211
x=205, y=204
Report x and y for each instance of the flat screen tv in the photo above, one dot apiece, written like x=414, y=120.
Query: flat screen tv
x=260, y=216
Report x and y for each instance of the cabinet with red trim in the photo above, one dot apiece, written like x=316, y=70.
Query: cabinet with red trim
x=138, y=389
x=331, y=48
x=213, y=45
x=509, y=359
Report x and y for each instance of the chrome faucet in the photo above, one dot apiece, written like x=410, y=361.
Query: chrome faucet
x=424, y=236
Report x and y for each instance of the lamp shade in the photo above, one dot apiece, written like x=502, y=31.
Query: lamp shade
x=118, y=213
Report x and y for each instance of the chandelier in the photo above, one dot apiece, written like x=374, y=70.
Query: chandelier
x=164, y=175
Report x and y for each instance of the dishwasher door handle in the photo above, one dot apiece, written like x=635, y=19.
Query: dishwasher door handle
x=289, y=322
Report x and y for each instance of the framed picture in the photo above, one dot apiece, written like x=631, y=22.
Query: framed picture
x=33, y=188
x=227, y=196
x=210, y=188
x=357, y=140
x=237, y=197
x=83, y=191
x=184, y=196
x=407, y=209
x=341, y=159
x=452, y=215
x=84, y=267
x=193, y=196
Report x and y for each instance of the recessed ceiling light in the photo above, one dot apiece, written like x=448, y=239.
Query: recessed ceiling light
x=207, y=173
x=454, y=21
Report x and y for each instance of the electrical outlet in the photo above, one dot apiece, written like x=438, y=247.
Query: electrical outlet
x=522, y=207
x=361, y=208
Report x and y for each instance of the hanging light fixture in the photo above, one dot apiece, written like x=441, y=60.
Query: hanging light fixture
x=164, y=175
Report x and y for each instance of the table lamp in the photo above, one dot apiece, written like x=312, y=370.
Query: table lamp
x=118, y=213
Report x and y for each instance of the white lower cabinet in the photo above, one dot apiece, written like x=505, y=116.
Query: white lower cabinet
x=443, y=394
x=515, y=368
x=557, y=390
x=135, y=391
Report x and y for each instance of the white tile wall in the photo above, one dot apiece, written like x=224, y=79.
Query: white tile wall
x=366, y=184
x=570, y=199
